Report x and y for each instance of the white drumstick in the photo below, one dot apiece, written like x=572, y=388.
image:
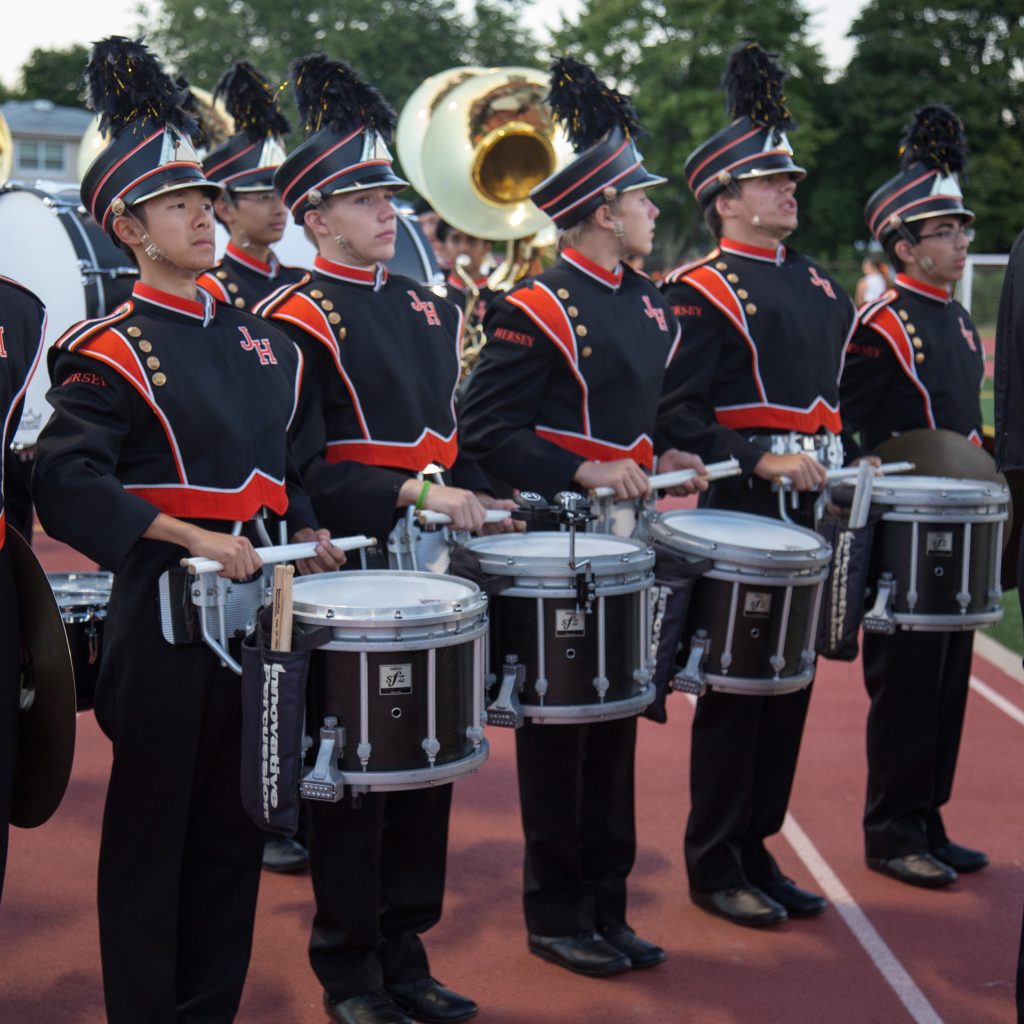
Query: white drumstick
x=282, y=553
x=428, y=518
x=835, y=476
x=662, y=481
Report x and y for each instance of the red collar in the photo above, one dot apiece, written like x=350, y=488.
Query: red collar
x=201, y=309
x=753, y=252
x=928, y=291
x=610, y=278
x=373, y=276
x=241, y=256
x=456, y=282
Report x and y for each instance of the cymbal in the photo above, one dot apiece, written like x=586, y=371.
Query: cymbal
x=45, y=733
x=947, y=453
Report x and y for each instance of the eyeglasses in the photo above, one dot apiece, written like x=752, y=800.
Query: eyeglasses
x=259, y=197
x=950, y=234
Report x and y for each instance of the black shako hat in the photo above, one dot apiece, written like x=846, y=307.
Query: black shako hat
x=247, y=161
x=933, y=152
x=348, y=127
x=151, y=150
x=754, y=144
x=601, y=125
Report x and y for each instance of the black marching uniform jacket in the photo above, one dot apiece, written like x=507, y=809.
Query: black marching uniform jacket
x=241, y=280
x=571, y=372
x=915, y=361
x=22, y=325
x=762, y=343
x=180, y=407
x=454, y=290
x=382, y=358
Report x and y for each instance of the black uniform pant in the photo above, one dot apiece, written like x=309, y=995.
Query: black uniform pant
x=743, y=754
x=9, y=681
x=918, y=687
x=378, y=868
x=576, y=799
x=179, y=859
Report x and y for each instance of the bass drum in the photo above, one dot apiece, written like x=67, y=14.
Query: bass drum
x=58, y=251
x=413, y=256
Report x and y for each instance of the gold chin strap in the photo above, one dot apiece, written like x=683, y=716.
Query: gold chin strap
x=152, y=251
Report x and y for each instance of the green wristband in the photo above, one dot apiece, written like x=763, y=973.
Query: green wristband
x=423, y=495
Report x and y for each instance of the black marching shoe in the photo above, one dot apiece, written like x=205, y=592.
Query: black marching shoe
x=640, y=952
x=742, y=905
x=920, y=869
x=587, y=954
x=372, y=1008
x=960, y=858
x=429, y=1001
x=796, y=901
x=284, y=856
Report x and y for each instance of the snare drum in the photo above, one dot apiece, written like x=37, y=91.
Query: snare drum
x=402, y=673
x=937, y=553
x=751, y=621
x=82, y=598
x=579, y=665
x=58, y=251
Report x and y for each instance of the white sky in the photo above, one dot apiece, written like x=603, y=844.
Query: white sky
x=57, y=24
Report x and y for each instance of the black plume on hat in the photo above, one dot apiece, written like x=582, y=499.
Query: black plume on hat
x=936, y=139
x=587, y=108
x=329, y=94
x=191, y=106
x=753, y=88
x=125, y=83
x=252, y=101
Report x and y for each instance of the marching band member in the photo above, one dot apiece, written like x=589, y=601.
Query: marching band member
x=756, y=378
x=249, y=207
x=475, y=253
x=917, y=361
x=22, y=325
x=382, y=364
x=152, y=453
x=564, y=398
x=255, y=217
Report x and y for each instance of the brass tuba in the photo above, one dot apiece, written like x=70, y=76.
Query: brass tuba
x=217, y=123
x=473, y=142
x=6, y=150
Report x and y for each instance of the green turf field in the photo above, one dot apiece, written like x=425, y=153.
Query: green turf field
x=1009, y=632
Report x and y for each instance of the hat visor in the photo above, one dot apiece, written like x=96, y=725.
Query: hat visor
x=213, y=188
x=791, y=170
x=966, y=215
x=646, y=180
x=386, y=180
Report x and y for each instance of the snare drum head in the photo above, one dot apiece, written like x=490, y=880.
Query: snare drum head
x=738, y=537
x=382, y=597
x=935, y=490
x=546, y=553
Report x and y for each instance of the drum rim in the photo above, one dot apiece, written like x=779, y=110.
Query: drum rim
x=927, y=491
x=472, y=605
x=639, y=558
x=740, y=554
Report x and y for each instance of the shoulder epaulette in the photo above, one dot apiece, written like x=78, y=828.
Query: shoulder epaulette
x=267, y=305
x=544, y=308
x=871, y=309
x=23, y=288
x=678, y=273
x=209, y=282
x=291, y=306
x=75, y=335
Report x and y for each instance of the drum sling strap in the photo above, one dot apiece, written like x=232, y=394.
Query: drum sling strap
x=273, y=723
x=673, y=587
x=842, y=600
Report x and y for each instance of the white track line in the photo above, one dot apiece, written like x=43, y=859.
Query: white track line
x=1004, y=705
x=1001, y=657
x=856, y=920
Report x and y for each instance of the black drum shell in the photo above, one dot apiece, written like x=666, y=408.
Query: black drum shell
x=571, y=662
x=396, y=739
x=758, y=623
x=85, y=640
x=938, y=578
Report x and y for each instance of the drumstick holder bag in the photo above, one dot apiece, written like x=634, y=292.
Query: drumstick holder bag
x=844, y=592
x=273, y=718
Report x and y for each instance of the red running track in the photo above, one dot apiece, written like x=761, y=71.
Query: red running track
x=883, y=954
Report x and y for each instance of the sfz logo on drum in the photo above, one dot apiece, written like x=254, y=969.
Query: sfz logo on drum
x=395, y=679
x=569, y=622
x=757, y=604
x=940, y=542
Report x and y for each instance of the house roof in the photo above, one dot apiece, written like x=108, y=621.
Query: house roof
x=43, y=118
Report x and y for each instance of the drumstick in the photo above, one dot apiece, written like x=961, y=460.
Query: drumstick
x=282, y=553
x=660, y=481
x=281, y=622
x=835, y=476
x=428, y=518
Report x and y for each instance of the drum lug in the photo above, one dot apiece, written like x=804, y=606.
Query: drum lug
x=324, y=781
x=505, y=710
x=879, y=620
x=690, y=678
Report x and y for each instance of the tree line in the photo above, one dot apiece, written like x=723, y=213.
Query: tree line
x=669, y=55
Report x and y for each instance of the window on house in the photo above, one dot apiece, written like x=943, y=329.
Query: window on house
x=38, y=155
